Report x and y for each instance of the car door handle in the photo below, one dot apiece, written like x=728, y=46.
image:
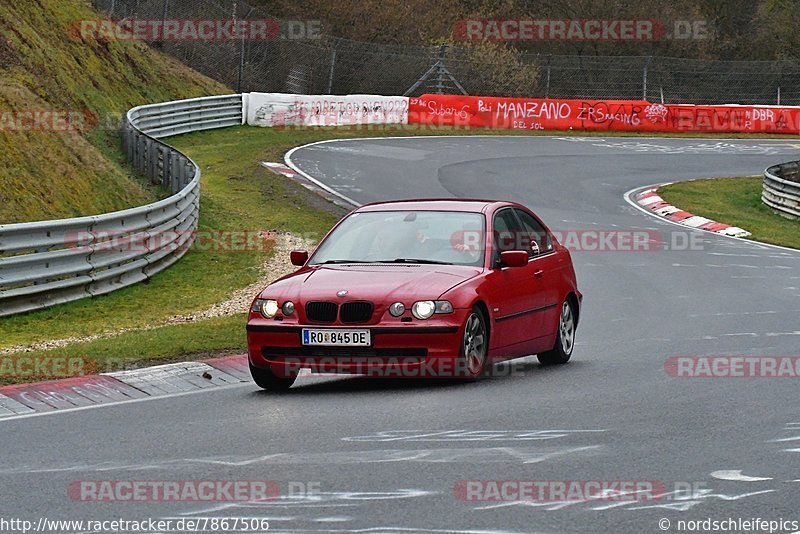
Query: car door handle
x=538, y=273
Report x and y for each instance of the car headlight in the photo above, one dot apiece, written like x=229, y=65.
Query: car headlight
x=267, y=308
x=288, y=308
x=397, y=309
x=423, y=309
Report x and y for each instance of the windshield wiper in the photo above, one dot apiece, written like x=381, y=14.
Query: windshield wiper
x=416, y=260
x=326, y=262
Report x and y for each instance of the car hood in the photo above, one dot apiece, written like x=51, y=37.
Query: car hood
x=371, y=282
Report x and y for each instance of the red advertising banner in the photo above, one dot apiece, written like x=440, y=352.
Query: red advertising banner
x=610, y=115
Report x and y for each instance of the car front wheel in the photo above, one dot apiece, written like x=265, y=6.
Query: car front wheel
x=266, y=379
x=474, y=346
x=565, y=339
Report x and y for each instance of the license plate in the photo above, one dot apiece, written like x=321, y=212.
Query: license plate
x=336, y=338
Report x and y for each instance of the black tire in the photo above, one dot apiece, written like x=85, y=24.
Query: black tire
x=474, y=351
x=565, y=337
x=266, y=379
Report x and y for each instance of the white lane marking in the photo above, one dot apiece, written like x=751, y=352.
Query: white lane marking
x=466, y=435
x=109, y=404
x=793, y=438
x=736, y=476
x=735, y=255
x=288, y=159
x=776, y=334
x=683, y=506
x=318, y=499
x=736, y=314
x=484, y=455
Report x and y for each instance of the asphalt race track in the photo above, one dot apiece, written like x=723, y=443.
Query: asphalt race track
x=386, y=455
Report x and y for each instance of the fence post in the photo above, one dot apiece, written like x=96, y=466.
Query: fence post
x=440, y=70
x=547, y=87
x=644, y=78
x=241, y=55
x=333, y=66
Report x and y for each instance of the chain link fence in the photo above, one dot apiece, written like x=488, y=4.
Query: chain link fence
x=329, y=65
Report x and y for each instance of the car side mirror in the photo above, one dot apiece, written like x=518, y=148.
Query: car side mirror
x=299, y=257
x=514, y=258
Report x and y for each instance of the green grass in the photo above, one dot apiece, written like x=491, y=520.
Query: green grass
x=734, y=201
x=46, y=67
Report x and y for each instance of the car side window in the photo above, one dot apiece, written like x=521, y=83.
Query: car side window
x=535, y=237
x=506, y=232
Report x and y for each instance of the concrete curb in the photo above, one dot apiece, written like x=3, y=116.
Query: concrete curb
x=650, y=200
x=118, y=387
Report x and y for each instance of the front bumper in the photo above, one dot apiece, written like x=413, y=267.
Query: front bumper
x=417, y=349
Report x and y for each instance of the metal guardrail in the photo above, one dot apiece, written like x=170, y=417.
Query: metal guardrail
x=50, y=262
x=781, y=189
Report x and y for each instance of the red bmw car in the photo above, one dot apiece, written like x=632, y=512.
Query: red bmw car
x=419, y=288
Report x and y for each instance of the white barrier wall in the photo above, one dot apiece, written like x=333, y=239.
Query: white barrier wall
x=280, y=109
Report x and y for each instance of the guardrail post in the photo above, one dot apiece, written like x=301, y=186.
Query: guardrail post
x=142, y=152
x=189, y=172
x=150, y=160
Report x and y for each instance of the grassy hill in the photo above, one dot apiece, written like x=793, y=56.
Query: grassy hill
x=46, y=65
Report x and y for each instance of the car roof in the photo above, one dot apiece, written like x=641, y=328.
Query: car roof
x=473, y=205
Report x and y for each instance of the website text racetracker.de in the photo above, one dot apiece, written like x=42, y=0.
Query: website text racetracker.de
x=588, y=240
x=149, y=525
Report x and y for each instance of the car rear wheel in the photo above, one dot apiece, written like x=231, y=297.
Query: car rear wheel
x=565, y=339
x=266, y=379
x=474, y=346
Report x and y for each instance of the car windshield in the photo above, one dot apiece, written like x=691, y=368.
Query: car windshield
x=445, y=237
